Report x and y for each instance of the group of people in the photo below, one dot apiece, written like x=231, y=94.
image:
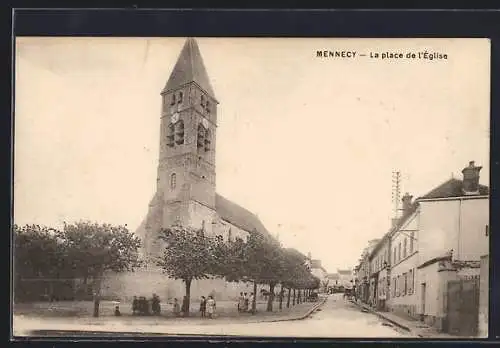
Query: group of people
x=245, y=302
x=207, y=306
x=142, y=306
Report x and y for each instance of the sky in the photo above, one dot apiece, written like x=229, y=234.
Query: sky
x=308, y=144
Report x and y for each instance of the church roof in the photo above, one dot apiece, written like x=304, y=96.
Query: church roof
x=451, y=188
x=239, y=216
x=189, y=68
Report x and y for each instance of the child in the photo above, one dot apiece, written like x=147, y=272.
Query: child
x=117, y=311
x=203, y=306
x=177, y=308
x=211, y=307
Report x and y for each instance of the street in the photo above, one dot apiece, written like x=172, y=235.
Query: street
x=336, y=318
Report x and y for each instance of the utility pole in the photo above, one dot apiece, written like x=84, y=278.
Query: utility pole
x=396, y=191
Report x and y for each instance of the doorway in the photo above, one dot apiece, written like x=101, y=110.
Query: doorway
x=422, y=301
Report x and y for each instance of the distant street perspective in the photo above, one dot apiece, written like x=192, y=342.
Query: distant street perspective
x=151, y=240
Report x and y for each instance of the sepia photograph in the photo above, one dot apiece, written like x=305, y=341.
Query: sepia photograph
x=251, y=187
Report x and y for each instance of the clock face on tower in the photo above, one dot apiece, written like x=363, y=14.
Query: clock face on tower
x=174, y=118
x=205, y=123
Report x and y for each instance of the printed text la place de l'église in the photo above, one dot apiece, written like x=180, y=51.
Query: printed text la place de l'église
x=383, y=55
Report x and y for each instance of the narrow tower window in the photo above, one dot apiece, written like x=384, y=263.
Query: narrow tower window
x=207, y=140
x=201, y=137
x=412, y=237
x=173, y=181
x=170, y=135
x=404, y=248
x=173, y=100
x=180, y=98
x=179, y=133
x=202, y=101
x=207, y=108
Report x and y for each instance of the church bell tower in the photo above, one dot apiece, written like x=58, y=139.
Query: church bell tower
x=186, y=169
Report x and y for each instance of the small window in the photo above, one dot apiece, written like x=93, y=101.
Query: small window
x=201, y=137
x=405, y=288
x=399, y=251
x=207, y=108
x=173, y=181
x=180, y=98
x=173, y=100
x=486, y=231
x=404, y=248
x=412, y=237
x=202, y=101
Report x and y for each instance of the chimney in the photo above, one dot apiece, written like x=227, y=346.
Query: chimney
x=470, y=184
x=406, y=203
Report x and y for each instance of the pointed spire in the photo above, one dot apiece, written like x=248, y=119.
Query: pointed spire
x=189, y=68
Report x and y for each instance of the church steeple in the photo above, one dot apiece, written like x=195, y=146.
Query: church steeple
x=189, y=68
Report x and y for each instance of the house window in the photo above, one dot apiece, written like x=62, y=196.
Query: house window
x=405, y=279
x=173, y=181
x=399, y=251
x=410, y=282
x=486, y=231
x=229, y=235
x=172, y=102
x=398, y=286
x=207, y=107
x=180, y=98
x=404, y=248
x=202, y=101
x=412, y=237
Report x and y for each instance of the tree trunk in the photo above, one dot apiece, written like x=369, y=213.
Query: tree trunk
x=254, y=301
x=271, y=298
x=281, y=297
x=188, y=297
x=97, y=294
x=288, y=300
x=294, y=297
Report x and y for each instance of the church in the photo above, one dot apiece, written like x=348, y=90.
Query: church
x=186, y=186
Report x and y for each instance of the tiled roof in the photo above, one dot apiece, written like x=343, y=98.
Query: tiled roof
x=189, y=68
x=344, y=272
x=452, y=188
x=239, y=216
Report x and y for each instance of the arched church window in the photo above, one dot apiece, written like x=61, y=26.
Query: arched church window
x=180, y=98
x=179, y=132
x=173, y=181
x=173, y=100
x=207, y=108
x=202, y=101
x=207, y=140
x=200, y=143
x=170, y=135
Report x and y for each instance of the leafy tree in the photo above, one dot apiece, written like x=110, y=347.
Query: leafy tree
x=189, y=254
x=38, y=259
x=94, y=248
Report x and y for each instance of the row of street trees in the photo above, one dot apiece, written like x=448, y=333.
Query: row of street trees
x=48, y=261
x=190, y=254
x=54, y=259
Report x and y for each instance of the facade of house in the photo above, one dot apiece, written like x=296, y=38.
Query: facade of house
x=436, y=251
x=346, y=278
x=404, y=261
x=320, y=272
x=380, y=272
x=362, y=280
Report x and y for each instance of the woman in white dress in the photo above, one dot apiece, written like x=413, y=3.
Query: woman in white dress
x=210, y=307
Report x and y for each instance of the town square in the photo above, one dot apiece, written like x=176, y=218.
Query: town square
x=303, y=198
